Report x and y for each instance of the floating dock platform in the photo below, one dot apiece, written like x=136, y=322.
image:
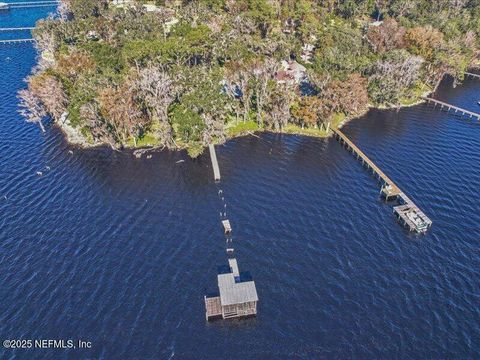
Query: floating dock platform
x=407, y=212
x=213, y=157
x=409, y=215
x=237, y=295
x=226, y=226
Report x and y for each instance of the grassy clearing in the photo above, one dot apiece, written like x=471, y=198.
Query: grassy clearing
x=297, y=130
x=415, y=94
x=337, y=119
x=236, y=129
x=146, y=140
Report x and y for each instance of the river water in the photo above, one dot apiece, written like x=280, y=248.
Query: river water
x=119, y=251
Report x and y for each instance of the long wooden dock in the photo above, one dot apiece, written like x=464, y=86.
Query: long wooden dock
x=213, y=157
x=29, y=4
x=16, y=29
x=472, y=75
x=16, y=41
x=391, y=189
x=407, y=212
x=450, y=107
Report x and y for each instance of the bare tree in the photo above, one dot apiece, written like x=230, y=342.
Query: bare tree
x=64, y=10
x=50, y=92
x=455, y=6
x=31, y=108
x=263, y=73
x=156, y=89
x=279, y=106
x=402, y=8
x=393, y=75
x=99, y=127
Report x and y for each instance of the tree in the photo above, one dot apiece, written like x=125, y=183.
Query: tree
x=100, y=129
x=31, y=108
x=83, y=9
x=50, y=92
x=425, y=41
x=401, y=8
x=387, y=36
x=122, y=107
x=307, y=111
x=279, y=103
x=393, y=75
x=187, y=124
x=262, y=76
x=381, y=8
x=349, y=96
x=75, y=64
x=157, y=91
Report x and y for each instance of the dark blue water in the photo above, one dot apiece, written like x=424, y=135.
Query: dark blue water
x=119, y=251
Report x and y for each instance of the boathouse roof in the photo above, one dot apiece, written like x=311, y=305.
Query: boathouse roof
x=232, y=289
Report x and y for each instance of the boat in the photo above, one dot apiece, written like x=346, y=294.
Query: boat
x=420, y=225
x=4, y=6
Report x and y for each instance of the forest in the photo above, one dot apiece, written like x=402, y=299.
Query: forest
x=183, y=74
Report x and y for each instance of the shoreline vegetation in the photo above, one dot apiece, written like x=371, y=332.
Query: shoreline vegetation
x=183, y=74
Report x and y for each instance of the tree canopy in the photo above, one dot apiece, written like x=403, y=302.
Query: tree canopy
x=184, y=72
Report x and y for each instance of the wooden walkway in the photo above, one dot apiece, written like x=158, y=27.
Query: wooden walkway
x=13, y=41
x=394, y=189
x=213, y=157
x=450, y=107
x=30, y=4
x=472, y=75
x=408, y=213
x=17, y=29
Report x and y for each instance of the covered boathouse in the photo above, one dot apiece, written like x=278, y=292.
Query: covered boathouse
x=237, y=295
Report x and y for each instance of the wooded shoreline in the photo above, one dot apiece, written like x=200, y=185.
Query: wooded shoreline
x=182, y=75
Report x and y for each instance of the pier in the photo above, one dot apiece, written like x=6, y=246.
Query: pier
x=472, y=75
x=213, y=157
x=407, y=212
x=237, y=294
x=16, y=41
x=29, y=4
x=389, y=189
x=16, y=29
x=452, y=107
